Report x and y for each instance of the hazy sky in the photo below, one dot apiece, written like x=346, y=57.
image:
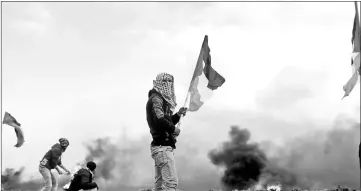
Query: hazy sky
x=83, y=70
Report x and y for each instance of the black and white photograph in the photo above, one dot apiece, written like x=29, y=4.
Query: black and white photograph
x=180, y=96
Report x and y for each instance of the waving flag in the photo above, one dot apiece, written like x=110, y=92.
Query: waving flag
x=205, y=79
x=355, y=59
x=10, y=120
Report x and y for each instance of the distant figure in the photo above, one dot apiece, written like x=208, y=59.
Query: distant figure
x=51, y=160
x=83, y=179
x=161, y=121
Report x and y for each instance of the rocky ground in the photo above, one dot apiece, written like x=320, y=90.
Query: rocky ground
x=338, y=188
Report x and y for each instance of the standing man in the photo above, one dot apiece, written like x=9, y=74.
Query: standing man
x=51, y=160
x=161, y=121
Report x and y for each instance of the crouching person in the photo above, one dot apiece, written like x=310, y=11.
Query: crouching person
x=83, y=179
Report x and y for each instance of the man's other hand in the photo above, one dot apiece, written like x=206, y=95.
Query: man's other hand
x=176, y=131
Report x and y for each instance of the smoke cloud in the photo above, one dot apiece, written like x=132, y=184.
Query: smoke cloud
x=323, y=159
x=243, y=161
x=12, y=179
x=127, y=165
x=318, y=160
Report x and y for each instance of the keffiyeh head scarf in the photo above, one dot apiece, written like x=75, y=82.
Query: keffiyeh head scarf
x=164, y=84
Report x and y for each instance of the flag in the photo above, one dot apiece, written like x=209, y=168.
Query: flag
x=10, y=120
x=203, y=72
x=355, y=58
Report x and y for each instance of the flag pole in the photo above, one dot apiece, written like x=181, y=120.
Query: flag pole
x=356, y=7
x=187, y=101
x=358, y=18
x=186, y=105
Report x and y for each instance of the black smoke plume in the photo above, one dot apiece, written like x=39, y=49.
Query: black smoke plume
x=243, y=161
x=318, y=160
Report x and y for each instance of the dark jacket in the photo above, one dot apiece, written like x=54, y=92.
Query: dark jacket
x=53, y=157
x=82, y=180
x=161, y=120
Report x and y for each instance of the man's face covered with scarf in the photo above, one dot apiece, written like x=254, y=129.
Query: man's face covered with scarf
x=164, y=84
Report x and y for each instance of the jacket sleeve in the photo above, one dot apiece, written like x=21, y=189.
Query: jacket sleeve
x=59, y=161
x=55, y=154
x=85, y=184
x=160, y=120
x=175, y=118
